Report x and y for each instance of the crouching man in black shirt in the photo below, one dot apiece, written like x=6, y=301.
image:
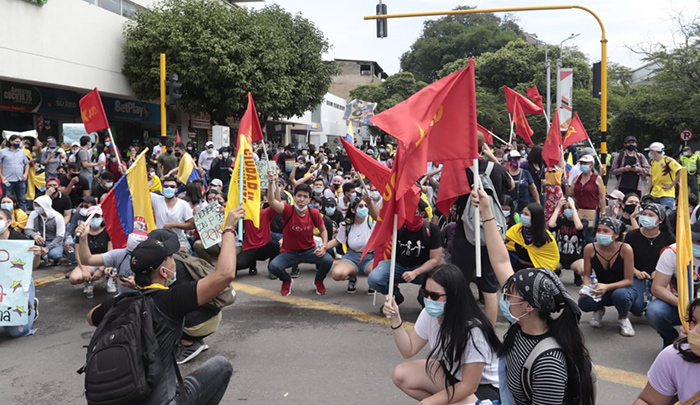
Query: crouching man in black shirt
x=154, y=268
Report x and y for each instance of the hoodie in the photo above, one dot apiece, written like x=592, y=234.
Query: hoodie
x=51, y=227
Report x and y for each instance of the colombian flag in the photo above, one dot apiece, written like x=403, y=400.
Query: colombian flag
x=349, y=136
x=187, y=171
x=684, y=249
x=127, y=206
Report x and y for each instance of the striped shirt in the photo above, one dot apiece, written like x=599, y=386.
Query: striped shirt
x=548, y=376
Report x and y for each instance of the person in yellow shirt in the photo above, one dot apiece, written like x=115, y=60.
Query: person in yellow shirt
x=154, y=181
x=663, y=176
x=19, y=217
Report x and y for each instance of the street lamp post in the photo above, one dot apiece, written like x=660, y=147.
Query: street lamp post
x=561, y=55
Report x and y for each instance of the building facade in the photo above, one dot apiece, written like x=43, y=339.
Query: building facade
x=354, y=73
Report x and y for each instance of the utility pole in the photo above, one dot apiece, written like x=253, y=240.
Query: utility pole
x=548, y=65
x=559, y=64
x=163, y=124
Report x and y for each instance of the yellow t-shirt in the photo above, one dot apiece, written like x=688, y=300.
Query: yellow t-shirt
x=156, y=185
x=19, y=221
x=663, y=173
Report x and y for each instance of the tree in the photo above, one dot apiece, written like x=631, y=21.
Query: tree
x=221, y=53
x=454, y=37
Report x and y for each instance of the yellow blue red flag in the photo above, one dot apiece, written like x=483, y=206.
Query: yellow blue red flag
x=187, y=170
x=349, y=135
x=684, y=249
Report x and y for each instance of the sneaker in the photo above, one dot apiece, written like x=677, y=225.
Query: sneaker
x=253, y=271
x=295, y=272
x=187, y=353
x=338, y=256
x=352, y=286
x=36, y=309
x=370, y=291
x=578, y=281
x=56, y=262
x=320, y=288
x=597, y=320
x=626, y=328
x=271, y=276
x=111, y=287
x=287, y=288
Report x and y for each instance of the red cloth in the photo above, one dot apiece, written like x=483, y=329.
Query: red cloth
x=522, y=127
x=514, y=98
x=488, y=138
x=376, y=172
x=250, y=124
x=575, y=133
x=551, y=152
x=298, y=234
x=258, y=237
x=535, y=96
x=92, y=112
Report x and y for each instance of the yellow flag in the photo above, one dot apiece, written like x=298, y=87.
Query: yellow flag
x=684, y=249
x=251, y=183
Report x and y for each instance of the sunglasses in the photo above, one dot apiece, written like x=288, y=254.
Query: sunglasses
x=429, y=294
x=169, y=186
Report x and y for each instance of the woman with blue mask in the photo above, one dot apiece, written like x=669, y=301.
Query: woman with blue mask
x=589, y=192
x=539, y=308
x=612, y=261
x=531, y=244
x=99, y=243
x=355, y=232
x=461, y=366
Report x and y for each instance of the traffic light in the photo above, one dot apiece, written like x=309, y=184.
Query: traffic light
x=173, y=89
x=381, y=22
x=596, y=81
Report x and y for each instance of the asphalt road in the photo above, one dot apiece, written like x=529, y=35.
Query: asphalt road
x=302, y=349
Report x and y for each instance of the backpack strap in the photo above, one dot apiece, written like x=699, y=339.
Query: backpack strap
x=543, y=346
x=489, y=169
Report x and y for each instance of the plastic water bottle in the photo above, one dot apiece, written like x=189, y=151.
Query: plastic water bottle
x=69, y=242
x=594, y=282
x=90, y=290
x=647, y=292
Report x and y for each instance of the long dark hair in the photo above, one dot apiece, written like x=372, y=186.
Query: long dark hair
x=350, y=216
x=538, y=229
x=687, y=354
x=193, y=190
x=580, y=387
x=462, y=314
x=535, y=156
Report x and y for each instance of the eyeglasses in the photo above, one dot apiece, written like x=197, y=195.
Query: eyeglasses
x=429, y=294
x=168, y=186
x=514, y=296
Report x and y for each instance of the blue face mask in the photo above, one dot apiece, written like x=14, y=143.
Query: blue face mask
x=646, y=221
x=362, y=212
x=604, y=240
x=168, y=192
x=330, y=210
x=170, y=281
x=7, y=206
x=375, y=194
x=526, y=221
x=435, y=309
x=96, y=223
x=569, y=213
x=585, y=168
x=506, y=214
x=318, y=190
x=504, y=305
x=696, y=250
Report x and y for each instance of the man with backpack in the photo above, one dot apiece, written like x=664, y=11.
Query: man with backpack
x=298, y=245
x=664, y=176
x=121, y=369
x=630, y=167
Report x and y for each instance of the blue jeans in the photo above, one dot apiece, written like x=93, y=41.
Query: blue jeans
x=56, y=252
x=378, y=279
x=89, y=180
x=663, y=317
x=19, y=331
x=207, y=384
x=289, y=259
x=19, y=189
x=276, y=236
x=668, y=202
x=621, y=299
x=641, y=286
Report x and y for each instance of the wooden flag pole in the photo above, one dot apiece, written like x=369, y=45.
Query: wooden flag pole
x=392, y=267
x=477, y=221
x=114, y=145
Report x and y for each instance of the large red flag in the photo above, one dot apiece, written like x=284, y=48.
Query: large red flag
x=250, y=124
x=551, y=152
x=513, y=98
x=488, y=139
x=376, y=172
x=453, y=183
x=522, y=127
x=92, y=112
x=575, y=133
x=535, y=96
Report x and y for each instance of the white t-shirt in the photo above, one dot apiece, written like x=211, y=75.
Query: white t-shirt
x=205, y=159
x=342, y=205
x=358, y=237
x=181, y=212
x=428, y=328
x=667, y=263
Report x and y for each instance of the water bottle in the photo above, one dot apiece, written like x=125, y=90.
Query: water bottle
x=70, y=243
x=647, y=292
x=594, y=282
x=90, y=290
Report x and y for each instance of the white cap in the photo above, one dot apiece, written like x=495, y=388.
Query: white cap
x=75, y=144
x=210, y=143
x=514, y=154
x=586, y=159
x=656, y=147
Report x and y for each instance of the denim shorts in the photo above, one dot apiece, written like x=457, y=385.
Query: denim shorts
x=354, y=258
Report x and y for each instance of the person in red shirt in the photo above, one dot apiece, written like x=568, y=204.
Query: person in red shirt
x=257, y=242
x=298, y=246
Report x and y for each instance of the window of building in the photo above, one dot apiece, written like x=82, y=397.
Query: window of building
x=128, y=9
x=111, y=5
x=366, y=70
x=124, y=8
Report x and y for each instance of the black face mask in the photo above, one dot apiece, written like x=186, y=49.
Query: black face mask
x=336, y=186
x=631, y=147
x=629, y=208
x=170, y=151
x=178, y=154
x=266, y=205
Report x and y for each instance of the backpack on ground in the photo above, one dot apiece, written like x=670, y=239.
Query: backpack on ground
x=470, y=210
x=123, y=363
x=198, y=269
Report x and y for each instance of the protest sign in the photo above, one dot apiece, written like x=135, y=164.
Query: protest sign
x=262, y=171
x=208, y=222
x=73, y=132
x=16, y=264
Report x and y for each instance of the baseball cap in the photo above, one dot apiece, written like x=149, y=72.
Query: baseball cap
x=630, y=138
x=75, y=144
x=656, y=147
x=616, y=195
x=687, y=148
x=149, y=254
x=217, y=182
x=586, y=159
x=135, y=238
x=210, y=143
x=514, y=154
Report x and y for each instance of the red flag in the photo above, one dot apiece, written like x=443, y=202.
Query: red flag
x=177, y=136
x=551, y=152
x=436, y=124
x=488, y=139
x=535, y=96
x=453, y=183
x=575, y=133
x=513, y=98
x=522, y=127
x=250, y=124
x=376, y=172
x=92, y=112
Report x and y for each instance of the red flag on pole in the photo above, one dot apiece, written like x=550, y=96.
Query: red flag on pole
x=513, y=98
x=376, y=172
x=177, y=136
x=453, y=183
x=488, y=138
x=92, y=112
x=535, y=96
x=250, y=124
x=551, y=152
x=522, y=127
x=575, y=133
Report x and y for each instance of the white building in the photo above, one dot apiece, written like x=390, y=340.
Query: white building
x=324, y=124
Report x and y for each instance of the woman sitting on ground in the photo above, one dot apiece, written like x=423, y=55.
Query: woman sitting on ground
x=99, y=243
x=531, y=241
x=19, y=217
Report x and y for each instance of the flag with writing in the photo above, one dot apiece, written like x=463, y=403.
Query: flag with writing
x=575, y=133
x=92, y=112
x=522, y=127
x=514, y=98
x=551, y=152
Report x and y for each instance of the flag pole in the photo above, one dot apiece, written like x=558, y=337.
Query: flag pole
x=114, y=144
x=240, y=193
x=510, y=139
x=392, y=267
x=477, y=221
x=496, y=136
x=595, y=153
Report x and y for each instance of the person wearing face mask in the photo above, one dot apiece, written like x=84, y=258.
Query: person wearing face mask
x=589, y=192
x=612, y=261
x=84, y=160
x=98, y=243
x=690, y=160
x=631, y=167
x=78, y=217
x=47, y=228
x=105, y=184
x=207, y=156
x=14, y=170
x=525, y=190
x=167, y=161
x=630, y=211
x=531, y=242
x=52, y=158
x=60, y=202
x=664, y=177
x=154, y=184
x=19, y=217
x=568, y=229
x=318, y=188
x=512, y=217
x=173, y=213
x=221, y=168
x=73, y=184
x=335, y=187
x=462, y=366
x=346, y=197
x=330, y=210
x=662, y=311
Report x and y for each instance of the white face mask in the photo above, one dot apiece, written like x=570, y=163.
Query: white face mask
x=3, y=226
x=225, y=155
x=39, y=210
x=301, y=209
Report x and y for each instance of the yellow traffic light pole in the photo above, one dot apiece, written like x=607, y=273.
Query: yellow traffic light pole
x=603, y=52
x=163, y=125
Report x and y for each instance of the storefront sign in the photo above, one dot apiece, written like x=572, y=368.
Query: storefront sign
x=202, y=121
x=18, y=97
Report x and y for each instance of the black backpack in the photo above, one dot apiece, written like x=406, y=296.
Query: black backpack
x=123, y=363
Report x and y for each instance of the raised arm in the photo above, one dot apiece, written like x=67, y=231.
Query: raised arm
x=498, y=254
x=272, y=197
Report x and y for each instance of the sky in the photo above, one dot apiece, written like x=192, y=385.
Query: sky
x=627, y=23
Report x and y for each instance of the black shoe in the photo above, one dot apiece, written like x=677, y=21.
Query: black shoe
x=187, y=353
x=578, y=280
x=56, y=262
x=399, y=298
x=295, y=272
x=253, y=271
x=271, y=276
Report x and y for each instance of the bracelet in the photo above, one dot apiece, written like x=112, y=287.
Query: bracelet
x=487, y=220
x=400, y=325
x=227, y=230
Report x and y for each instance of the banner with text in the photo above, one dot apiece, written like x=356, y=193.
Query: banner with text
x=566, y=91
x=16, y=264
x=208, y=222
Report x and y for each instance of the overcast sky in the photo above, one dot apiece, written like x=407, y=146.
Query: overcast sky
x=627, y=23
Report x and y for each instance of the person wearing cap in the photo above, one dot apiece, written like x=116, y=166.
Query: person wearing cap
x=52, y=157
x=47, y=228
x=216, y=185
x=576, y=168
x=95, y=236
x=690, y=161
x=525, y=190
x=664, y=177
x=167, y=161
x=74, y=185
x=589, y=192
x=662, y=311
x=14, y=170
x=614, y=204
x=60, y=202
x=155, y=268
x=631, y=168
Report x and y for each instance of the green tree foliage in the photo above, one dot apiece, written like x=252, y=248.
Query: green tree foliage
x=221, y=53
x=454, y=37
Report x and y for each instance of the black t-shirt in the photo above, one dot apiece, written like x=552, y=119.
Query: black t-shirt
x=76, y=193
x=647, y=250
x=97, y=243
x=98, y=191
x=629, y=180
x=14, y=235
x=332, y=161
x=62, y=203
x=414, y=247
x=569, y=240
x=286, y=162
x=537, y=175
